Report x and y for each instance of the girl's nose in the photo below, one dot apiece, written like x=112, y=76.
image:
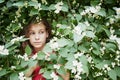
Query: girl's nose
x=37, y=37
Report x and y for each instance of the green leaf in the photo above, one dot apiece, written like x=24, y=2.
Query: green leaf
x=85, y=68
x=96, y=51
x=44, y=7
x=62, y=42
x=24, y=63
x=101, y=64
x=110, y=46
x=42, y=70
x=112, y=74
x=101, y=12
x=51, y=7
x=28, y=50
x=107, y=32
x=82, y=48
x=61, y=71
x=70, y=57
x=78, y=17
x=47, y=49
x=32, y=3
x=46, y=74
x=65, y=8
x=69, y=64
x=53, y=56
x=3, y=72
x=14, y=76
x=1, y=1
x=117, y=70
x=32, y=62
x=95, y=45
x=95, y=2
x=77, y=38
x=50, y=66
x=9, y=4
x=83, y=59
x=64, y=52
x=13, y=47
x=7, y=45
x=20, y=3
x=90, y=34
x=33, y=12
x=41, y=55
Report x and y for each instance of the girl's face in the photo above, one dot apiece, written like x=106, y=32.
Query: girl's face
x=37, y=36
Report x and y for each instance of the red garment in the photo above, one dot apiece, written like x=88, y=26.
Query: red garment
x=36, y=74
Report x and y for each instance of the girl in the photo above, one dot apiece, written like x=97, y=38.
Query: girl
x=38, y=33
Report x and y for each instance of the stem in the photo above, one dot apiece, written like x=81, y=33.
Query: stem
x=69, y=4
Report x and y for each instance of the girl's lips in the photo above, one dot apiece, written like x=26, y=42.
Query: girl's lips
x=36, y=42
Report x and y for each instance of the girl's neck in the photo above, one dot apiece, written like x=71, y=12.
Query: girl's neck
x=38, y=49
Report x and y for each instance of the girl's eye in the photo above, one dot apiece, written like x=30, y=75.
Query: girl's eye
x=32, y=33
x=41, y=32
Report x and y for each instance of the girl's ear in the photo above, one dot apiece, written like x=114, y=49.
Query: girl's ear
x=47, y=34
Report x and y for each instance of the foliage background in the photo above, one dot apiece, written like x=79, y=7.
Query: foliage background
x=85, y=32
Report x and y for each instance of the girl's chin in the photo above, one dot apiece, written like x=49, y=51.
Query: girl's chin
x=38, y=47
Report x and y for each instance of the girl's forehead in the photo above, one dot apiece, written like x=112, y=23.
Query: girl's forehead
x=37, y=26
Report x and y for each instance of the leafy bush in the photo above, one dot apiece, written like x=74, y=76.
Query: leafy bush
x=86, y=38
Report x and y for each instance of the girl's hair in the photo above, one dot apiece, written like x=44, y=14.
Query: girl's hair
x=26, y=30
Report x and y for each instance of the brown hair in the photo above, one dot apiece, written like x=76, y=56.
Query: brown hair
x=26, y=32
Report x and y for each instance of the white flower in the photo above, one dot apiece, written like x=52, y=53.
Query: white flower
x=87, y=23
x=113, y=37
x=83, y=13
x=13, y=67
x=16, y=39
x=106, y=79
x=58, y=25
x=112, y=20
x=58, y=7
x=78, y=30
x=25, y=56
x=93, y=9
x=34, y=56
x=54, y=44
x=74, y=70
x=21, y=76
x=54, y=76
x=117, y=52
x=44, y=1
x=57, y=66
x=89, y=59
x=117, y=10
x=3, y=50
x=98, y=74
x=106, y=66
x=47, y=56
x=77, y=69
x=77, y=77
x=78, y=55
x=113, y=64
x=19, y=56
x=75, y=63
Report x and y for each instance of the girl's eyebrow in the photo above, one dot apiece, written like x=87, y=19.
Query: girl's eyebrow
x=39, y=29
